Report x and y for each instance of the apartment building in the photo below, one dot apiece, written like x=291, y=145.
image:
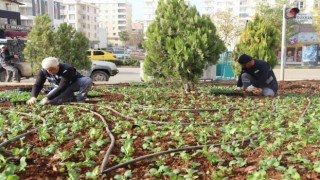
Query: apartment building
x=83, y=16
x=150, y=7
x=31, y=8
x=114, y=16
x=10, y=20
x=246, y=9
x=243, y=9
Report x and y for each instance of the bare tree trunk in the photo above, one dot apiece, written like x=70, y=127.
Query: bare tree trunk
x=189, y=87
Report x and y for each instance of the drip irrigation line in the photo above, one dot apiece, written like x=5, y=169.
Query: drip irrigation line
x=18, y=137
x=175, y=150
x=24, y=134
x=192, y=147
x=308, y=105
x=154, y=122
x=173, y=109
x=106, y=157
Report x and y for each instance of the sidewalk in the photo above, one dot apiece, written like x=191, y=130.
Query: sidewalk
x=298, y=74
x=133, y=74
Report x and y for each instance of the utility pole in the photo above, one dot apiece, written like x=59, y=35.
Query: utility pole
x=283, y=43
x=288, y=13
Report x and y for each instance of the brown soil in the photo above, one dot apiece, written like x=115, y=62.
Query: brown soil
x=49, y=167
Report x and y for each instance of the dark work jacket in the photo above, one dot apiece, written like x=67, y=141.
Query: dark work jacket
x=262, y=74
x=5, y=57
x=66, y=76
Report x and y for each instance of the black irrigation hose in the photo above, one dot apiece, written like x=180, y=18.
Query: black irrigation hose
x=106, y=157
x=149, y=121
x=24, y=134
x=172, y=151
x=173, y=109
x=18, y=137
x=186, y=148
x=193, y=147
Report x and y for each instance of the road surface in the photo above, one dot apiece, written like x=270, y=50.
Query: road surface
x=126, y=75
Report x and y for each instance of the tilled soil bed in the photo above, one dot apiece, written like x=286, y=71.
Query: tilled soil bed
x=186, y=136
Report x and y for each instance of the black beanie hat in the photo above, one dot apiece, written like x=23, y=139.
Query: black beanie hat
x=243, y=59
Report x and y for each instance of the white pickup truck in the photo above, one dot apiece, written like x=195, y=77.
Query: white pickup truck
x=100, y=70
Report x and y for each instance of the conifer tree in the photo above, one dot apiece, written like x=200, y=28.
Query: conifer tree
x=72, y=47
x=179, y=45
x=259, y=40
x=68, y=45
x=40, y=42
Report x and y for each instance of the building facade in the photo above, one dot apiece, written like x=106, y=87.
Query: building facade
x=114, y=16
x=305, y=32
x=83, y=16
x=150, y=7
x=10, y=21
x=31, y=8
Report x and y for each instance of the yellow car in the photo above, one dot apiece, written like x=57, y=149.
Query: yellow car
x=100, y=55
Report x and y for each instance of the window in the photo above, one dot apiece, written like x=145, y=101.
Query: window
x=72, y=16
x=3, y=21
x=316, y=4
x=13, y=21
x=300, y=4
x=98, y=53
x=71, y=8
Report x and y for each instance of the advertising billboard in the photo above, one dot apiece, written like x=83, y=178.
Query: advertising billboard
x=310, y=54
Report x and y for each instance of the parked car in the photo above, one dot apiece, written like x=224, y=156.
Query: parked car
x=24, y=69
x=100, y=55
x=100, y=70
x=121, y=54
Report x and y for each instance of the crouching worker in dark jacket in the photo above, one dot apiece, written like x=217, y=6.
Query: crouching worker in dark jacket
x=66, y=81
x=256, y=74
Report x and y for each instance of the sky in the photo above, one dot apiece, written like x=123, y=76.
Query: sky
x=137, y=8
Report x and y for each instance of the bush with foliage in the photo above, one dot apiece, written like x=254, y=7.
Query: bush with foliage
x=179, y=45
x=259, y=40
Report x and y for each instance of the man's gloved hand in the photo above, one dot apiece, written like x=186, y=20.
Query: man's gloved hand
x=32, y=101
x=250, y=88
x=44, y=101
x=237, y=89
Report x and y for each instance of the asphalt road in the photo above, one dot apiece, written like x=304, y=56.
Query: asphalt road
x=126, y=75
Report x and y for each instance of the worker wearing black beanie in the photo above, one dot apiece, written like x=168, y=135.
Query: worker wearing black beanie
x=256, y=74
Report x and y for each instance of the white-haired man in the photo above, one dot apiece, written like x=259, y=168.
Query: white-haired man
x=66, y=81
x=6, y=63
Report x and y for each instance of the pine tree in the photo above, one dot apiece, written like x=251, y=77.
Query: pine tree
x=72, y=47
x=179, y=45
x=40, y=42
x=259, y=40
x=68, y=45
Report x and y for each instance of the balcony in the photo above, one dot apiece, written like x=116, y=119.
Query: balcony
x=82, y=12
x=80, y=20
